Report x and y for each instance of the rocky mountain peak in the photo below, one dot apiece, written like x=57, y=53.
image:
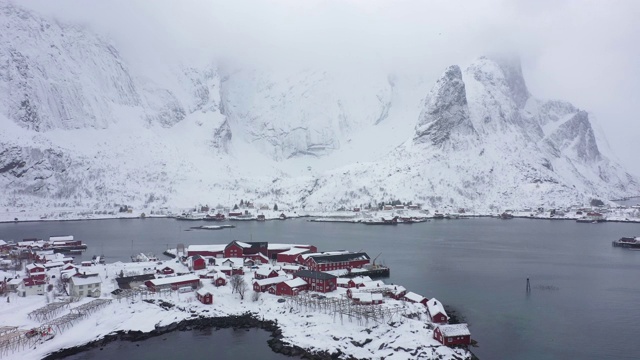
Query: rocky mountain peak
x=445, y=117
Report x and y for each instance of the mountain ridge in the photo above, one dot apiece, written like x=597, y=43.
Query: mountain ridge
x=83, y=129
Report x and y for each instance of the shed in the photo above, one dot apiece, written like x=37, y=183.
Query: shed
x=436, y=312
x=204, y=296
x=450, y=335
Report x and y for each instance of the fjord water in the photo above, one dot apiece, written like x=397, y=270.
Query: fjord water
x=585, y=298
x=223, y=344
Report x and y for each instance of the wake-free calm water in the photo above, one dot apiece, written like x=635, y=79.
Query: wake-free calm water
x=585, y=299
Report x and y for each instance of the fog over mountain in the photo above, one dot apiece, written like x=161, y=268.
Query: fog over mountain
x=315, y=104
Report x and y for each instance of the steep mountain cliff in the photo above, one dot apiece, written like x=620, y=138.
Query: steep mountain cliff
x=82, y=128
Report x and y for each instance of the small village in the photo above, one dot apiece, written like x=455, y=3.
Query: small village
x=50, y=296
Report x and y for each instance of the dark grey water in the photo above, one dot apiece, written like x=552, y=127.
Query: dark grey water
x=224, y=344
x=585, y=302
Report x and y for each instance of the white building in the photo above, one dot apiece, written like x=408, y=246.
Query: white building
x=83, y=286
x=30, y=287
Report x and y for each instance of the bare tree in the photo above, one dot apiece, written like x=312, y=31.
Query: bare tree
x=235, y=282
x=242, y=288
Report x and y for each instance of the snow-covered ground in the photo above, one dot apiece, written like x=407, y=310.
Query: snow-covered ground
x=396, y=338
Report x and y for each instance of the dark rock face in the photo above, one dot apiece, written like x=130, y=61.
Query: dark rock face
x=446, y=113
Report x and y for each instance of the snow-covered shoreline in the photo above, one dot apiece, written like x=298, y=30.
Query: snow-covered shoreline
x=625, y=214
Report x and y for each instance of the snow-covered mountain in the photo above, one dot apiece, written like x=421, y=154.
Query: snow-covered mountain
x=81, y=127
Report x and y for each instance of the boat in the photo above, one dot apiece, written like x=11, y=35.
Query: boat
x=213, y=227
x=191, y=216
x=98, y=259
x=438, y=216
x=632, y=243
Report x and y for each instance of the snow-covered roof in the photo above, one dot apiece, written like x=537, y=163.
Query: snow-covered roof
x=361, y=279
x=14, y=281
x=295, y=282
x=339, y=272
x=434, y=306
x=61, y=238
x=286, y=246
x=85, y=280
x=241, y=244
x=264, y=270
x=271, y=281
x=53, y=256
x=291, y=267
x=236, y=262
x=34, y=266
x=326, y=253
x=366, y=297
x=454, y=330
x=204, y=291
x=373, y=284
x=53, y=264
x=295, y=251
x=174, y=279
x=210, y=248
x=2, y=242
x=329, y=257
x=396, y=289
x=414, y=297
x=343, y=281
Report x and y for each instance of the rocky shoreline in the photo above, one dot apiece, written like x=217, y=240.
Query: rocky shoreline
x=244, y=321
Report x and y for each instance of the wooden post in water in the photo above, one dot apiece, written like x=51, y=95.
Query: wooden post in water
x=528, y=286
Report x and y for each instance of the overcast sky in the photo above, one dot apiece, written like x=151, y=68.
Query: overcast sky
x=582, y=51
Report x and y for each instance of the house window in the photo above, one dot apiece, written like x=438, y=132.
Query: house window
x=81, y=287
x=449, y=340
x=81, y=293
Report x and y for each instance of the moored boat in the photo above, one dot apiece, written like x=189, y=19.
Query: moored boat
x=191, y=216
x=627, y=242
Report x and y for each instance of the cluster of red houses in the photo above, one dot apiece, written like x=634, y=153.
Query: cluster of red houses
x=302, y=269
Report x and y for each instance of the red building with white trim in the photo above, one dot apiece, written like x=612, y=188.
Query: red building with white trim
x=334, y=260
x=173, y=282
x=291, y=287
x=36, y=271
x=450, y=335
x=204, y=296
x=263, y=285
x=197, y=262
x=318, y=281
